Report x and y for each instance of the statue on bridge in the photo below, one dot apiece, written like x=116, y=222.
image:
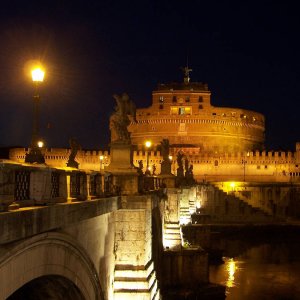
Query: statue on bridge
x=180, y=170
x=185, y=174
x=75, y=146
x=125, y=111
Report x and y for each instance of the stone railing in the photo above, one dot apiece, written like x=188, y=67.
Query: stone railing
x=24, y=185
x=148, y=183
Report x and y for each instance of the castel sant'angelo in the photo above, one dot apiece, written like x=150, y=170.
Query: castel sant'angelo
x=182, y=113
x=221, y=143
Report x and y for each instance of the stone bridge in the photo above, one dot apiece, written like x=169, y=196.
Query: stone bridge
x=79, y=250
x=67, y=234
x=63, y=238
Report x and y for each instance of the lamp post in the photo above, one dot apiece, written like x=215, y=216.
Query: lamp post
x=35, y=155
x=148, y=145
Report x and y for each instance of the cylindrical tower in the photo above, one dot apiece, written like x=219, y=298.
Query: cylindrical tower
x=183, y=114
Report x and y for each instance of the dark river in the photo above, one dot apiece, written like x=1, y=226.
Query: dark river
x=260, y=268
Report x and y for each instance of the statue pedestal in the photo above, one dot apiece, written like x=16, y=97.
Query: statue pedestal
x=121, y=158
x=168, y=180
x=121, y=166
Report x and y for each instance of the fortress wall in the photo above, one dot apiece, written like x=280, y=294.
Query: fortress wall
x=254, y=166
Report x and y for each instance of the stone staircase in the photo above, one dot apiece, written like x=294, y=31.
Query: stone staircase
x=227, y=207
x=135, y=282
x=172, y=235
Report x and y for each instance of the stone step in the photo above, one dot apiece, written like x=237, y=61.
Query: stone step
x=170, y=236
x=151, y=293
x=172, y=230
x=132, y=272
x=134, y=283
x=172, y=225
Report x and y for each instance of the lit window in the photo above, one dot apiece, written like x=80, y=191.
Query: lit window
x=187, y=110
x=174, y=110
x=161, y=99
x=184, y=110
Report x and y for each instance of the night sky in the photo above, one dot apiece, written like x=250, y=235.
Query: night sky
x=248, y=53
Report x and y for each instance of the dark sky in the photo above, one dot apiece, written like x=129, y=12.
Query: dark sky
x=247, y=51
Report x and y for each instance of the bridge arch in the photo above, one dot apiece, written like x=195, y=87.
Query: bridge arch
x=48, y=287
x=52, y=256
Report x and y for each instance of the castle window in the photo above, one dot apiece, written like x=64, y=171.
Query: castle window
x=200, y=106
x=161, y=106
x=214, y=114
x=161, y=99
x=174, y=110
x=200, y=99
x=187, y=99
x=181, y=111
x=174, y=99
x=185, y=110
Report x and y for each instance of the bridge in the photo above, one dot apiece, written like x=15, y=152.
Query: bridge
x=72, y=234
x=68, y=234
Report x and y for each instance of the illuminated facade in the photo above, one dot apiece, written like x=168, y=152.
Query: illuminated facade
x=183, y=114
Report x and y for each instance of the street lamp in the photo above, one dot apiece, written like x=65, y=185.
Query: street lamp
x=148, y=145
x=35, y=155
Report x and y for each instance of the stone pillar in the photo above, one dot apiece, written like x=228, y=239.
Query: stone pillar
x=171, y=227
x=7, y=185
x=135, y=277
x=88, y=186
x=68, y=188
x=40, y=185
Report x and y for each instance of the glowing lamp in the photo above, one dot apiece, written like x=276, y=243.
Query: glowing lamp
x=37, y=75
x=40, y=144
x=148, y=144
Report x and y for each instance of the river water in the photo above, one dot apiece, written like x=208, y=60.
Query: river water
x=260, y=269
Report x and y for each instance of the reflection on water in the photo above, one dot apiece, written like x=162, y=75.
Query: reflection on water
x=231, y=268
x=267, y=271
